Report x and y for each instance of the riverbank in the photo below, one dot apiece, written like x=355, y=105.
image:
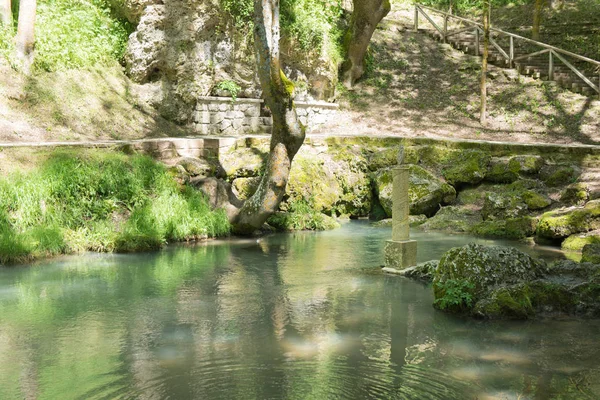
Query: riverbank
x=65, y=200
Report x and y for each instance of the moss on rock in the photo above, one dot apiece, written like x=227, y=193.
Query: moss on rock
x=563, y=223
x=559, y=175
x=575, y=194
x=512, y=228
x=500, y=170
x=426, y=192
x=591, y=253
x=578, y=241
x=456, y=219
x=244, y=188
x=526, y=164
x=466, y=167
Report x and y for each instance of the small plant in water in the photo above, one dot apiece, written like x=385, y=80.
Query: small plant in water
x=457, y=294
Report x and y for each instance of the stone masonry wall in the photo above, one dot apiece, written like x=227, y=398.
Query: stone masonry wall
x=223, y=116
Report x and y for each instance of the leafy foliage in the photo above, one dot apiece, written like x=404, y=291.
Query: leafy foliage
x=78, y=33
x=100, y=201
x=302, y=216
x=230, y=86
x=457, y=294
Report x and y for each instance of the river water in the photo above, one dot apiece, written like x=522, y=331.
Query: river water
x=289, y=316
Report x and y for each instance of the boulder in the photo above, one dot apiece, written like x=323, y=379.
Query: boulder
x=466, y=167
x=244, y=188
x=562, y=223
x=426, y=192
x=500, y=170
x=202, y=167
x=453, y=219
x=243, y=162
x=559, y=175
x=502, y=206
x=465, y=275
x=591, y=253
x=526, y=164
x=578, y=241
x=511, y=228
x=388, y=157
x=575, y=194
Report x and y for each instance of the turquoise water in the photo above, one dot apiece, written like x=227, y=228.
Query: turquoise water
x=290, y=316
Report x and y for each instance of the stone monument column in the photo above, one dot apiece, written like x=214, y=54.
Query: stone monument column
x=400, y=252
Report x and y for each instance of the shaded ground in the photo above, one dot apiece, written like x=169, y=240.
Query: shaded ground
x=419, y=87
x=74, y=105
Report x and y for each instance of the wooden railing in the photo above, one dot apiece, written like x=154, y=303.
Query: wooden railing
x=552, y=51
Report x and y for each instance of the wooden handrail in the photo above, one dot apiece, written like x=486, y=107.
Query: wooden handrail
x=540, y=44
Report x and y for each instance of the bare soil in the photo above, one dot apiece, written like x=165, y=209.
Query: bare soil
x=418, y=87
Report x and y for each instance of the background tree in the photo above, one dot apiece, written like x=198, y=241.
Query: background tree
x=366, y=14
x=287, y=134
x=5, y=12
x=26, y=32
x=484, y=64
x=538, y=7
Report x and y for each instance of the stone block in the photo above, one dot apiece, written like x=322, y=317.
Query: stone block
x=400, y=254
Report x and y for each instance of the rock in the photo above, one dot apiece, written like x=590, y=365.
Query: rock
x=244, y=188
x=578, y=241
x=500, y=170
x=536, y=201
x=201, y=167
x=562, y=223
x=219, y=194
x=426, y=192
x=454, y=219
x=511, y=228
x=465, y=275
x=131, y=9
x=502, y=206
x=466, y=167
x=422, y=272
x=243, y=162
x=559, y=175
x=591, y=253
x=575, y=194
x=414, y=220
x=296, y=221
x=527, y=165
x=388, y=157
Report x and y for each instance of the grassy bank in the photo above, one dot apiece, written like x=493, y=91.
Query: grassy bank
x=98, y=200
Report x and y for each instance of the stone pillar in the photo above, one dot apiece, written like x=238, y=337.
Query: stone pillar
x=400, y=252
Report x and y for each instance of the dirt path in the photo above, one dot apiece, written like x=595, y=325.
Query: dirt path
x=418, y=87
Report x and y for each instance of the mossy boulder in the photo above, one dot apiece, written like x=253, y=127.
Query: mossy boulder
x=559, y=175
x=526, y=164
x=511, y=228
x=426, y=192
x=575, y=194
x=480, y=269
x=502, y=206
x=388, y=157
x=466, y=167
x=334, y=183
x=500, y=170
x=413, y=220
x=453, y=219
x=243, y=162
x=578, y=241
x=591, y=253
x=302, y=220
x=244, y=188
x=536, y=201
x=562, y=223
x=422, y=272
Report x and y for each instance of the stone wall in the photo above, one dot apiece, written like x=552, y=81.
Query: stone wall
x=223, y=116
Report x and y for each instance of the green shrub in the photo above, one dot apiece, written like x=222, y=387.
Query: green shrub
x=99, y=201
x=456, y=294
x=78, y=33
x=302, y=216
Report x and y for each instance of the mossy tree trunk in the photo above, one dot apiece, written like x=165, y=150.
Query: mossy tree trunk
x=365, y=17
x=484, y=63
x=287, y=134
x=26, y=32
x=5, y=12
x=537, y=19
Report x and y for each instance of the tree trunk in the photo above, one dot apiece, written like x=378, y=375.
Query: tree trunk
x=287, y=135
x=365, y=17
x=484, y=63
x=537, y=19
x=26, y=32
x=5, y=12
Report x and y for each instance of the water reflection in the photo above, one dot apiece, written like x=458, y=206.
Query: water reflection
x=299, y=316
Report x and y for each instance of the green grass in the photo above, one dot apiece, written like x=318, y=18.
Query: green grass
x=99, y=201
x=302, y=216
